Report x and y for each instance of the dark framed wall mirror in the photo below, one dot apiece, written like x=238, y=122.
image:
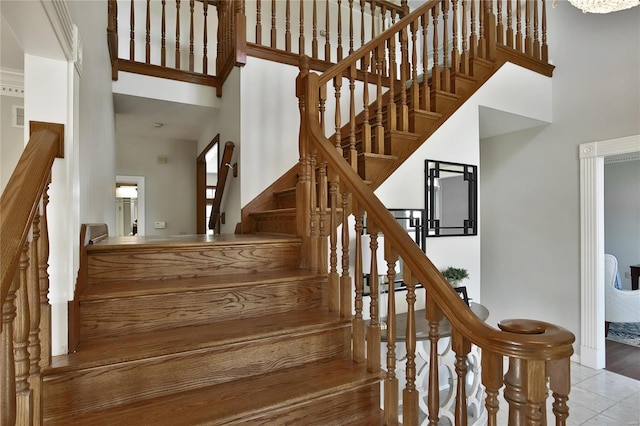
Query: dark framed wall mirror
x=451, y=196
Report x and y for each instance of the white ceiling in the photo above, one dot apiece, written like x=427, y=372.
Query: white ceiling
x=495, y=123
x=136, y=116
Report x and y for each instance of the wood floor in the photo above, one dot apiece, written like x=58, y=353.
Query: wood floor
x=623, y=359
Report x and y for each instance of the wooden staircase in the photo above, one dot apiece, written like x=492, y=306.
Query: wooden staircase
x=207, y=330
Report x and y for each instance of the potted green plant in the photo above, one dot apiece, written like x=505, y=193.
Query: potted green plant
x=455, y=275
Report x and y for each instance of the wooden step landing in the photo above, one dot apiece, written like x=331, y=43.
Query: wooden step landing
x=331, y=392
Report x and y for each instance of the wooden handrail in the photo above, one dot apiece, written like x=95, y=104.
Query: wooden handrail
x=20, y=201
x=25, y=328
x=223, y=173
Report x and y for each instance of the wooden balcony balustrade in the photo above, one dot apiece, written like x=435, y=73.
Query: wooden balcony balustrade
x=24, y=250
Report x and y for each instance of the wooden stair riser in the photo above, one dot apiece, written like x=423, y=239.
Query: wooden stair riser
x=103, y=387
x=274, y=222
x=122, y=316
x=148, y=263
x=340, y=408
x=286, y=199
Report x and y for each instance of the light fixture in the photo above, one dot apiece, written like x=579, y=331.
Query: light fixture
x=602, y=6
x=126, y=191
x=158, y=125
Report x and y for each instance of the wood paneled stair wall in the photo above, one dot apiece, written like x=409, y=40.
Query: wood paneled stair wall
x=209, y=330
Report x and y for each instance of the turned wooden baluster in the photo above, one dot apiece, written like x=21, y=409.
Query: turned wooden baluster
x=455, y=52
x=500, y=25
x=177, y=34
x=274, y=33
x=24, y=410
x=528, y=41
x=490, y=28
x=391, y=381
x=446, y=71
x=362, y=23
x=191, y=57
x=327, y=26
x=405, y=68
x=301, y=36
x=435, y=73
x=482, y=28
x=43, y=277
x=7, y=364
x=425, y=98
x=373, y=331
x=410, y=393
x=379, y=129
x=313, y=212
x=339, y=52
x=314, y=31
x=287, y=26
x=366, y=125
x=205, y=59
x=323, y=201
x=519, y=25
x=434, y=316
x=392, y=113
x=473, y=37
x=33, y=284
x=350, y=27
x=461, y=346
x=544, y=54
x=147, y=45
x=163, y=35
x=132, y=33
x=492, y=373
x=414, y=95
x=337, y=84
x=536, y=31
x=258, y=22
x=464, y=60
x=345, y=279
x=334, y=278
x=510, y=23
x=560, y=385
x=358, y=321
x=352, y=154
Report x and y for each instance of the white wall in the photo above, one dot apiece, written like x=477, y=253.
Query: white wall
x=622, y=215
x=458, y=140
x=530, y=179
x=271, y=122
x=11, y=138
x=170, y=188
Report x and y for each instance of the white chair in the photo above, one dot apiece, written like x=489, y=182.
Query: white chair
x=620, y=305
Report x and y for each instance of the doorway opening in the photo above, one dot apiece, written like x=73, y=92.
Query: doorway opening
x=130, y=208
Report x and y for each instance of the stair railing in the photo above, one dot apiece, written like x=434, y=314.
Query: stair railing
x=401, y=88
x=223, y=173
x=198, y=41
x=24, y=249
x=537, y=352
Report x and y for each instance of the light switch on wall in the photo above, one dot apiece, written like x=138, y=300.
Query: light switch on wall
x=160, y=225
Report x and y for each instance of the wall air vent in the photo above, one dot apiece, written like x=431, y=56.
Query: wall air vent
x=17, y=116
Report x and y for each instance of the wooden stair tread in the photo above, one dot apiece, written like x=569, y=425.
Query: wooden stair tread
x=283, y=212
x=156, y=242
x=121, y=289
x=234, y=401
x=112, y=350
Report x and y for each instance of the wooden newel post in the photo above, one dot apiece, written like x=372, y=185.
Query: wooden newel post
x=492, y=376
x=303, y=187
x=240, y=35
x=525, y=382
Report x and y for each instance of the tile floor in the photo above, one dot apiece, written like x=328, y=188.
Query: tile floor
x=597, y=398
